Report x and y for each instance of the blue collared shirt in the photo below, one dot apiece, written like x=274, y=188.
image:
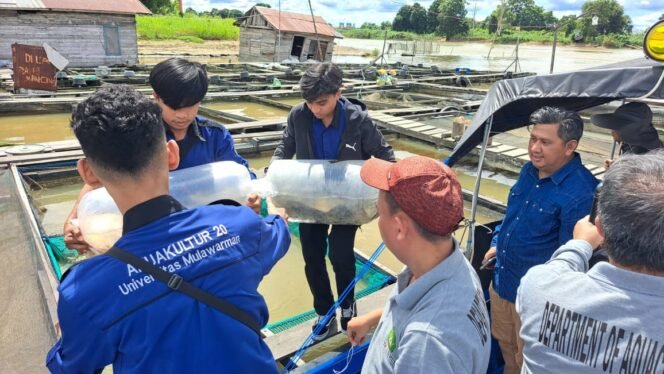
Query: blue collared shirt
x=210, y=142
x=326, y=139
x=540, y=217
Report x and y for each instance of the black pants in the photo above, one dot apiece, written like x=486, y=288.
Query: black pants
x=313, y=238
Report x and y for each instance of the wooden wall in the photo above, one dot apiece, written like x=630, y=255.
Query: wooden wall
x=258, y=44
x=77, y=36
x=261, y=44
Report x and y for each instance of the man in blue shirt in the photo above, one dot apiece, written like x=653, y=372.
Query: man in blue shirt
x=329, y=126
x=553, y=192
x=111, y=312
x=179, y=87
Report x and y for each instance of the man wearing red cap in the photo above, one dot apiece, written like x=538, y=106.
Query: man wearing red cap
x=436, y=319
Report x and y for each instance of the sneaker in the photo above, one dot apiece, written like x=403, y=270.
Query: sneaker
x=330, y=329
x=346, y=315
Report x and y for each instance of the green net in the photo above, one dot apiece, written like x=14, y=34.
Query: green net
x=63, y=256
x=372, y=281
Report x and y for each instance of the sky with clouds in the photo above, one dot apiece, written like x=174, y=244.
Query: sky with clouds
x=643, y=12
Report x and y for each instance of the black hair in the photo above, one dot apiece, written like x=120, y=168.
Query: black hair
x=120, y=130
x=179, y=83
x=321, y=79
x=571, y=124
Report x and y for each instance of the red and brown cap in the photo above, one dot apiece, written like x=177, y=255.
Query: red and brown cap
x=427, y=190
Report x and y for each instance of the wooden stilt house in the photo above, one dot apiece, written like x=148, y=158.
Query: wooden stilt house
x=270, y=35
x=87, y=33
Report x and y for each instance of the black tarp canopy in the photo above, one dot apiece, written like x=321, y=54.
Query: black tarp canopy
x=511, y=101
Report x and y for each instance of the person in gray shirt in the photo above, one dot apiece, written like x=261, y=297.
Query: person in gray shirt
x=608, y=319
x=436, y=319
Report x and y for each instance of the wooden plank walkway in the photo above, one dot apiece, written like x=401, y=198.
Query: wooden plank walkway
x=490, y=77
x=497, y=152
x=246, y=143
x=410, y=128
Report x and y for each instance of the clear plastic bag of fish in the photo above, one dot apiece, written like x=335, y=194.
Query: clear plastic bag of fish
x=100, y=220
x=320, y=191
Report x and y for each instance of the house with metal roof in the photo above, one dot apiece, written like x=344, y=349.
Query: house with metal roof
x=87, y=33
x=270, y=35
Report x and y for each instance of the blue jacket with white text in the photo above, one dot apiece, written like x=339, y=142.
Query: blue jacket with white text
x=112, y=313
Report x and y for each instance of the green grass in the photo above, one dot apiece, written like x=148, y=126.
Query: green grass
x=510, y=36
x=620, y=40
x=192, y=29
x=190, y=39
x=380, y=34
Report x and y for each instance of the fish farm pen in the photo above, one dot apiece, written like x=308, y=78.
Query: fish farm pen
x=398, y=100
x=420, y=109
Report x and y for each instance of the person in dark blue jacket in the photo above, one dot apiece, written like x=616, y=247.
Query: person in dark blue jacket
x=179, y=87
x=111, y=312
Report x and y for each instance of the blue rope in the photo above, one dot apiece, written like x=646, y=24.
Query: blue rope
x=292, y=362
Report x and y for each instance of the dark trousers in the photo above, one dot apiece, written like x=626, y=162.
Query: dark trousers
x=314, y=238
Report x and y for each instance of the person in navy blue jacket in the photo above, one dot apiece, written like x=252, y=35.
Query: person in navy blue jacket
x=111, y=312
x=179, y=87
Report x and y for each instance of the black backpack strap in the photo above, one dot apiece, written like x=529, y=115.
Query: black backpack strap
x=177, y=283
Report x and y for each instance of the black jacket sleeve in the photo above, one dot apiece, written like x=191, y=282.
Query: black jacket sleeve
x=286, y=148
x=373, y=142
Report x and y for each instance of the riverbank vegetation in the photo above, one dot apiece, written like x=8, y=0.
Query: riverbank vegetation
x=601, y=22
x=508, y=36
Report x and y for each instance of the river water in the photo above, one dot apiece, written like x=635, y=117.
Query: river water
x=531, y=57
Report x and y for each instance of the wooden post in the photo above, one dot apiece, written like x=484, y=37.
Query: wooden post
x=459, y=125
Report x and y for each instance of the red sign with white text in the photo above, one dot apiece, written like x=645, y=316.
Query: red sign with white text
x=32, y=69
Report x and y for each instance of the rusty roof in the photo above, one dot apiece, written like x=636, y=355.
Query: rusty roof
x=295, y=22
x=114, y=6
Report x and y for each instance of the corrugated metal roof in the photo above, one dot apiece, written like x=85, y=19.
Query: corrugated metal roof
x=108, y=6
x=296, y=22
x=21, y=4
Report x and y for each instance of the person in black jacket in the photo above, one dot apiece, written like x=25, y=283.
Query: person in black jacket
x=328, y=126
x=631, y=126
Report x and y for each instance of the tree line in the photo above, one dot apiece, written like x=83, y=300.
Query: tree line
x=170, y=7
x=449, y=18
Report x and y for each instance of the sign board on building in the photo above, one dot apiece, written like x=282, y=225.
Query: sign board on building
x=32, y=69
